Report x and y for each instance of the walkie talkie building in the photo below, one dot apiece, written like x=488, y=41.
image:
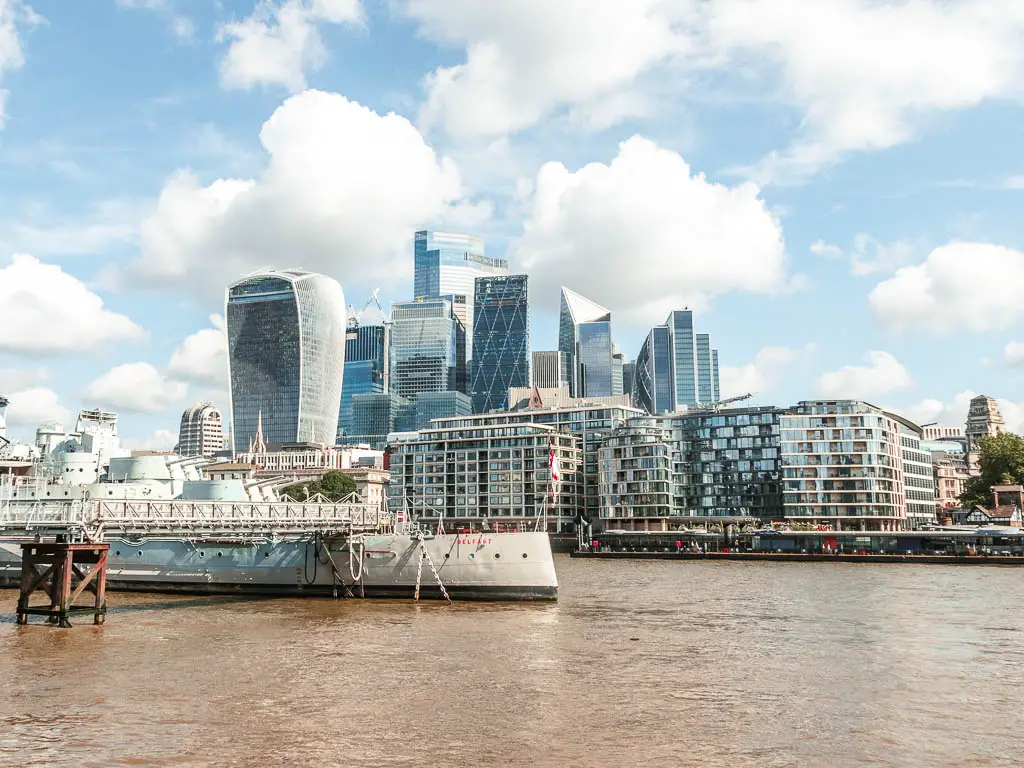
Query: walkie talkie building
x=286, y=353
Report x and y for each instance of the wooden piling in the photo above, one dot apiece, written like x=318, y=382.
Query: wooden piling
x=52, y=567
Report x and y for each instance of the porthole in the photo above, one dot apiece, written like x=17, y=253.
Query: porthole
x=497, y=555
x=524, y=555
x=140, y=553
x=471, y=555
x=220, y=554
x=266, y=554
x=202, y=553
x=117, y=553
x=47, y=493
x=446, y=555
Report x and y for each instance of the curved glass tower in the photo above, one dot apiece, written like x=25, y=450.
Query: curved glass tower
x=286, y=352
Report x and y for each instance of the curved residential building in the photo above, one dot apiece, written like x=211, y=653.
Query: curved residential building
x=286, y=354
x=201, y=432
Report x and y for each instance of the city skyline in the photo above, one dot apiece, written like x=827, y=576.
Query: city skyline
x=837, y=206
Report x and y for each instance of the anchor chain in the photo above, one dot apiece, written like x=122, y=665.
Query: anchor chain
x=437, y=576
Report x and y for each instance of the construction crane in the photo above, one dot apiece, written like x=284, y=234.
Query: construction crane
x=354, y=317
x=739, y=398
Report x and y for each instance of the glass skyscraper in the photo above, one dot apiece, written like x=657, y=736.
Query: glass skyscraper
x=446, y=264
x=592, y=346
x=365, y=368
x=676, y=368
x=286, y=345
x=427, y=348
x=501, y=340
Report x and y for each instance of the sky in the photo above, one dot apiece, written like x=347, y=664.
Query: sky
x=835, y=188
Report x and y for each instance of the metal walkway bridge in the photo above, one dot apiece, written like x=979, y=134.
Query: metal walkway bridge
x=95, y=519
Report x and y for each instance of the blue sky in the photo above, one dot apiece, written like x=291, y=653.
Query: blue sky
x=835, y=187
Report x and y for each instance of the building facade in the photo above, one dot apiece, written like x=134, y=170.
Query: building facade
x=983, y=420
x=846, y=464
x=375, y=416
x=550, y=369
x=201, y=432
x=446, y=265
x=427, y=348
x=286, y=348
x=576, y=312
x=437, y=405
x=657, y=472
x=366, y=367
x=501, y=340
x=950, y=473
x=468, y=472
x=676, y=368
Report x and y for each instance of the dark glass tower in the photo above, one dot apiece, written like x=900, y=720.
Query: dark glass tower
x=286, y=344
x=501, y=340
x=365, y=366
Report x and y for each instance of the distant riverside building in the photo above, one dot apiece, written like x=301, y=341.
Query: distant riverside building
x=201, y=432
x=466, y=471
x=585, y=338
x=428, y=348
x=676, y=368
x=657, y=472
x=983, y=420
x=853, y=466
x=374, y=416
x=366, y=367
x=950, y=473
x=551, y=369
x=501, y=340
x=286, y=347
x=446, y=265
x=438, y=405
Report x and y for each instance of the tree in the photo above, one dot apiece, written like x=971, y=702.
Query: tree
x=334, y=486
x=1002, y=463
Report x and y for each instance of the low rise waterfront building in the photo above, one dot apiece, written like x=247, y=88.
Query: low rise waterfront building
x=949, y=473
x=853, y=466
x=466, y=472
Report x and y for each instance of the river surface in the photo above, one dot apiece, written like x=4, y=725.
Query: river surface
x=638, y=664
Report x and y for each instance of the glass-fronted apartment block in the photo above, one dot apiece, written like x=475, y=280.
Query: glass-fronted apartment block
x=843, y=465
x=427, y=348
x=575, y=312
x=365, y=368
x=676, y=368
x=657, y=472
x=551, y=369
x=467, y=472
x=446, y=265
x=501, y=340
x=918, y=477
x=286, y=348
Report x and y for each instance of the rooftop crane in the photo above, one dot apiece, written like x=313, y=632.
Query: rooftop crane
x=354, y=317
x=739, y=398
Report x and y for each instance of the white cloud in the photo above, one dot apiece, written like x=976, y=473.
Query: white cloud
x=48, y=311
x=882, y=375
x=202, y=357
x=869, y=255
x=867, y=74
x=826, y=250
x=526, y=59
x=13, y=13
x=280, y=42
x=180, y=25
x=32, y=406
x=343, y=190
x=644, y=233
x=762, y=376
x=1014, y=354
x=135, y=387
x=972, y=286
x=161, y=440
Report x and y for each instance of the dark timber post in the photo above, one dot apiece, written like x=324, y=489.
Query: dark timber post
x=51, y=567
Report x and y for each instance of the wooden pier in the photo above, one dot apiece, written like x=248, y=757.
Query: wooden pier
x=52, y=568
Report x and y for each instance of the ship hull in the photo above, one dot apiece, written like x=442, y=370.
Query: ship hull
x=503, y=566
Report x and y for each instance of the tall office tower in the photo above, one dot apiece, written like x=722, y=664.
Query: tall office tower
x=628, y=372
x=618, y=363
x=550, y=369
x=365, y=367
x=446, y=264
x=286, y=345
x=676, y=368
x=201, y=432
x=427, y=348
x=501, y=340
x=684, y=355
x=585, y=337
x=653, y=385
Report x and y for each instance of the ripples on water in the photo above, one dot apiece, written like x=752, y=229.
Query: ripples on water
x=645, y=663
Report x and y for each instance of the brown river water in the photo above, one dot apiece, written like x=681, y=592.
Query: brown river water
x=639, y=663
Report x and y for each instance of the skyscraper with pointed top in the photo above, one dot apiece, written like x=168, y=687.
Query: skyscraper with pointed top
x=585, y=337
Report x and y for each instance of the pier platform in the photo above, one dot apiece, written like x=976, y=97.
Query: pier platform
x=800, y=557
